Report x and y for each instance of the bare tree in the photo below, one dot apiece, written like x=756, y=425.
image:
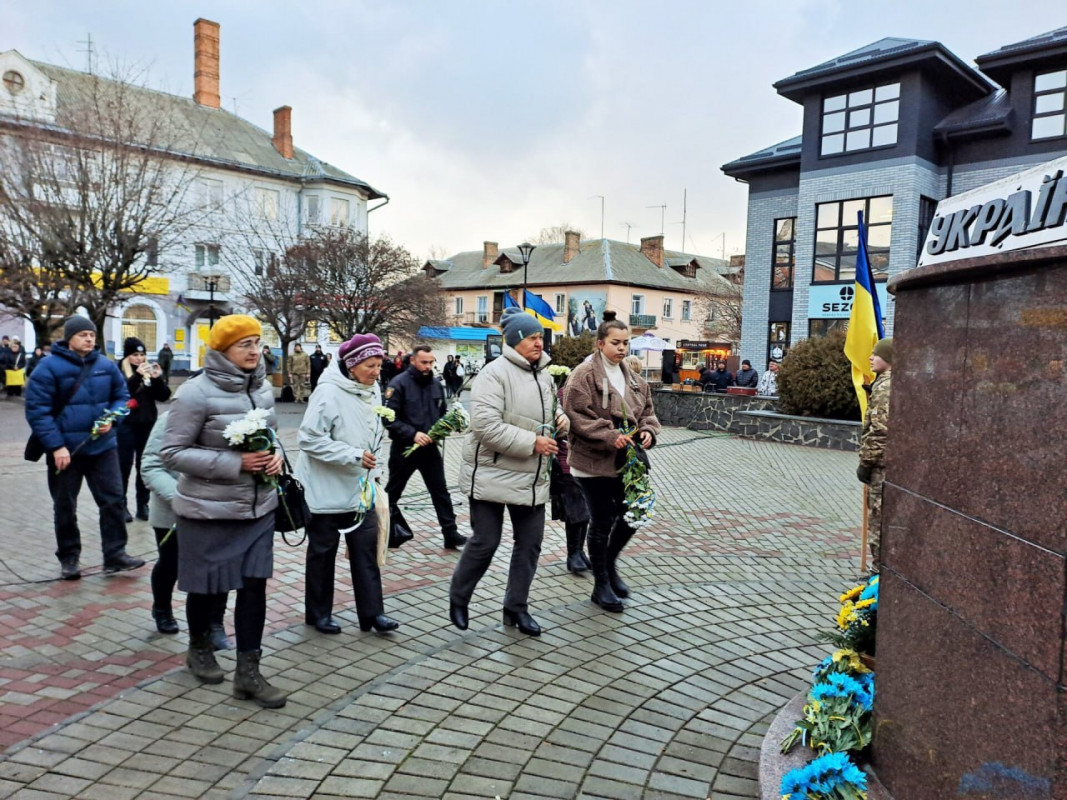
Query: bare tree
x=721, y=307
x=555, y=234
x=365, y=285
x=279, y=297
x=97, y=197
x=31, y=287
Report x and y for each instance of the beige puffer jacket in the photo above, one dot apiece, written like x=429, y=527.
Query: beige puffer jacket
x=211, y=484
x=511, y=403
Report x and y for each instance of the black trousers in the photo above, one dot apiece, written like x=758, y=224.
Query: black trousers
x=431, y=466
x=101, y=472
x=133, y=437
x=487, y=524
x=324, y=535
x=608, y=531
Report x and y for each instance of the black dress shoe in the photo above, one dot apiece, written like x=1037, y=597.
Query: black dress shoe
x=458, y=615
x=165, y=622
x=69, y=569
x=326, y=625
x=142, y=511
x=454, y=541
x=122, y=563
x=380, y=623
x=526, y=623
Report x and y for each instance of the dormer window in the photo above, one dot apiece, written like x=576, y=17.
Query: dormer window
x=1050, y=110
x=860, y=120
x=14, y=82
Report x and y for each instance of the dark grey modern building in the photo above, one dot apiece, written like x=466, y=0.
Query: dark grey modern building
x=889, y=129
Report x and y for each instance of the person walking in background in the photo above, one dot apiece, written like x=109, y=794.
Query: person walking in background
x=34, y=360
x=568, y=505
x=418, y=400
x=68, y=393
x=600, y=397
x=14, y=360
x=318, y=362
x=269, y=360
x=340, y=438
x=146, y=386
x=768, y=384
x=163, y=485
x=448, y=372
x=165, y=358
x=746, y=376
x=505, y=467
x=299, y=372
x=224, y=506
x=871, y=470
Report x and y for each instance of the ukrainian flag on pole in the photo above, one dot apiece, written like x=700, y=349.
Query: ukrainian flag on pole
x=509, y=301
x=541, y=311
x=865, y=323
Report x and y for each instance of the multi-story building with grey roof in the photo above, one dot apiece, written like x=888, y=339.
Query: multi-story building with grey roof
x=252, y=188
x=659, y=292
x=889, y=129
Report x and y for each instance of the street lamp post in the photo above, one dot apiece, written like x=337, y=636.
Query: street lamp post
x=526, y=249
x=212, y=280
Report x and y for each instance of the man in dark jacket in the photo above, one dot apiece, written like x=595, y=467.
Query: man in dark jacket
x=318, y=364
x=418, y=400
x=165, y=359
x=718, y=379
x=746, y=376
x=89, y=384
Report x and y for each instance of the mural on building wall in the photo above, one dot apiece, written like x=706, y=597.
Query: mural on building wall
x=584, y=311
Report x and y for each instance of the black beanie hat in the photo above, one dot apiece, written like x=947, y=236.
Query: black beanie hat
x=132, y=345
x=77, y=324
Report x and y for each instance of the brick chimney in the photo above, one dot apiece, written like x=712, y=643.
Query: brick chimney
x=490, y=251
x=283, y=132
x=652, y=249
x=206, y=63
x=570, y=245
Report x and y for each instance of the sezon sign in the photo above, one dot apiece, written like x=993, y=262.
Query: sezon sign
x=1022, y=212
x=834, y=300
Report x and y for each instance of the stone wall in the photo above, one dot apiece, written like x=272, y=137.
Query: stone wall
x=752, y=417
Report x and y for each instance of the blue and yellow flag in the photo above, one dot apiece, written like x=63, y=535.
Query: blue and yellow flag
x=541, y=311
x=865, y=322
x=509, y=301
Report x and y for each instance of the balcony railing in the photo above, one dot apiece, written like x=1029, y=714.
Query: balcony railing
x=642, y=320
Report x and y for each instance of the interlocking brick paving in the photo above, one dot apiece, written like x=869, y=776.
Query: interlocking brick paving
x=667, y=700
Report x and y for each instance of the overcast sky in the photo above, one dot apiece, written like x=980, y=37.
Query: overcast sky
x=486, y=119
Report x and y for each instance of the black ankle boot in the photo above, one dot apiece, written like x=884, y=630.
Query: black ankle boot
x=575, y=537
x=523, y=620
x=603, y=595
x=620, y=537
x=380, y=623
x=576, y=564
x=165, y=622
x=458, y=615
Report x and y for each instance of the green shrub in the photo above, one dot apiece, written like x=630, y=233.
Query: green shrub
x=570, y=351
x=816, y=379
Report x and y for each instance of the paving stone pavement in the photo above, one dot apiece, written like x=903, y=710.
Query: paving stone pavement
x=668, y=700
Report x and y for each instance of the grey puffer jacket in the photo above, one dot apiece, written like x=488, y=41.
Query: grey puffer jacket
x=511, y=404
x=161, y=482
x=211, y=484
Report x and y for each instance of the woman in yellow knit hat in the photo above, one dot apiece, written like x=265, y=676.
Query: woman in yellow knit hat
x=224, y=507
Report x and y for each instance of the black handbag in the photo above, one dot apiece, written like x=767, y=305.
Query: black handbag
x=34, y=446
x=292, y=513
x=399, y=530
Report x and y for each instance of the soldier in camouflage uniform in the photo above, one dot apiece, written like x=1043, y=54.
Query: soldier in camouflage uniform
x=872, y=444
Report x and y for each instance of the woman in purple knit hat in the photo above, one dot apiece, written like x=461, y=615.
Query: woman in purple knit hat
x=340, y=439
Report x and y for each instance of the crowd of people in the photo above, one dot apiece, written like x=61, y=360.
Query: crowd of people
x=211, y=497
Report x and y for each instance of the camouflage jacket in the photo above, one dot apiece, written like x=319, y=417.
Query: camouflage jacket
x=876, y=423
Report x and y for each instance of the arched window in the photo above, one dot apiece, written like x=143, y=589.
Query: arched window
x=140, y=321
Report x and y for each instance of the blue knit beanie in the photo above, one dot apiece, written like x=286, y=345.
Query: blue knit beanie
x=517, y=325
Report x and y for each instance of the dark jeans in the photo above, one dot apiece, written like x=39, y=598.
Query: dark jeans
x=132, y=439
x=101, y=472
x=487, y=523
x=249, y=614
x=427, y=460
x=324, y=535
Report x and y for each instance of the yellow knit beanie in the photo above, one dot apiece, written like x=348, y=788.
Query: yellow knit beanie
x=232, y=328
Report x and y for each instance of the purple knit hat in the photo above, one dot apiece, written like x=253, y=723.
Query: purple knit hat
x=359, y=348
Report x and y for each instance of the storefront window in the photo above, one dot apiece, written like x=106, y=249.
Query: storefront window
x=140, y=321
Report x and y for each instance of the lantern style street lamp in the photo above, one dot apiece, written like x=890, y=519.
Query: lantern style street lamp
x=526, y=249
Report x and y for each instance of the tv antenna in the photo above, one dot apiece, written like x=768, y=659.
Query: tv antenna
x=662, y=214
x=88, y=50
x=628, y=225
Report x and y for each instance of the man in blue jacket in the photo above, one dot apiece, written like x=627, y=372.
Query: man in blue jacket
x=86, y=385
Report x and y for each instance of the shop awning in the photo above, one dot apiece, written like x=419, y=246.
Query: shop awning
x=456, y=334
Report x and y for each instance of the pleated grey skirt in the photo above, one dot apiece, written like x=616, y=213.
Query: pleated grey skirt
x=216, y=555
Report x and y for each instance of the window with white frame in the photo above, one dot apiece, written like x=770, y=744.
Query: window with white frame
x=209, y=194
x=266, y=203
x=483, y=308
x=314, y=209
x=561, y=303
x=339, y=211
x=687, y=310
x=637, y=304
x=140, y=321
x=860, y=120
x=264, y=261
x=458, y=306
x=668, y=308
x=1050, y=105
x=207, y=255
